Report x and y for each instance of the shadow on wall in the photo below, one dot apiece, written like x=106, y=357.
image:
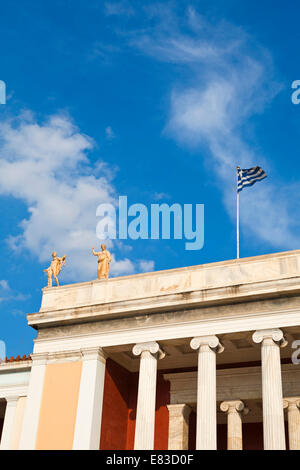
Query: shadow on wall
x=119, y=409
x=2, y=414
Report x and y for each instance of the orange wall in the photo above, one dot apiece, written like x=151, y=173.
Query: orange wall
x=59, y=406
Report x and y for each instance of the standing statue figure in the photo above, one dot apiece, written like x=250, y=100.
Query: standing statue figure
x=104, y=258
x=55, y=268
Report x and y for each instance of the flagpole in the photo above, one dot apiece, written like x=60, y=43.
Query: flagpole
x=237, y=216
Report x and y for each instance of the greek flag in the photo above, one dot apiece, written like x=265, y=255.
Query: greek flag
x=249, y=177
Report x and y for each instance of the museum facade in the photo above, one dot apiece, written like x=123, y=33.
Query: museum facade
x=202, y=357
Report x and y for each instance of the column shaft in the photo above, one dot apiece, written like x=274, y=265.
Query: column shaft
x=234, y=410
x=8, y=425
x=293, y=412
x=178, y=427
x=33, y=402
x=273, y=416
x=89, y=409
x=206, y=438
x=18, y=423
x=235, y=435
x=206, y=399
x=145, y=416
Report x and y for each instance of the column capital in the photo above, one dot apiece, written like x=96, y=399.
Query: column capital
x=212, y=342
x=12, y=400
x=179, y=410
x=234, y=406
x=89, y=354
x=291, y=402
x=275, y=335
x=152, y=347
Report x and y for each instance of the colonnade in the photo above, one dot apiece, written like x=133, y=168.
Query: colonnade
x=206, y=428
x=88, y=419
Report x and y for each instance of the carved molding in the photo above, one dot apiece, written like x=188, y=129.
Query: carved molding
x=232, y=384
x=13, y=391
x=82, y=354
x=39, y=359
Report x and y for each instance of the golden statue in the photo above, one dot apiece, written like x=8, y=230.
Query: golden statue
x=104, y=258
x=55, y=268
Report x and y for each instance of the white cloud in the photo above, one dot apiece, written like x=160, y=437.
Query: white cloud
x=103, y=52
x=124, y=266
x=46, y=165
x=110, y=135
x=8, y=294
x=4, y=284
x=118, y=8
x=160, y=196
x=226, y=78
x=146, y=266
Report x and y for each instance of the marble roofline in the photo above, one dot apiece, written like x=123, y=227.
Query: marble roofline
x=225, y=282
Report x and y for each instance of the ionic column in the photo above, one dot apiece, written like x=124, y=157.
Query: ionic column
x=234, y=410
x=89, y=410
x=293, y=404
x=145, y=417
x=273, y=416
x=179, y=427
x=9, y=420
x=207, y=346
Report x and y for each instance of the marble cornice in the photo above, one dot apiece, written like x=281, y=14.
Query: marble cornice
x=167, y=302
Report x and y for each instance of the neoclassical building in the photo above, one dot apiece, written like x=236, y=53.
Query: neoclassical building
x=191, y=358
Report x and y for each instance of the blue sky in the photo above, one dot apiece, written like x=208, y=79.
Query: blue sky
x=155, y=101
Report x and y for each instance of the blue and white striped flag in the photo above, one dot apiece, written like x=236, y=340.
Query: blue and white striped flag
x=249, y=177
